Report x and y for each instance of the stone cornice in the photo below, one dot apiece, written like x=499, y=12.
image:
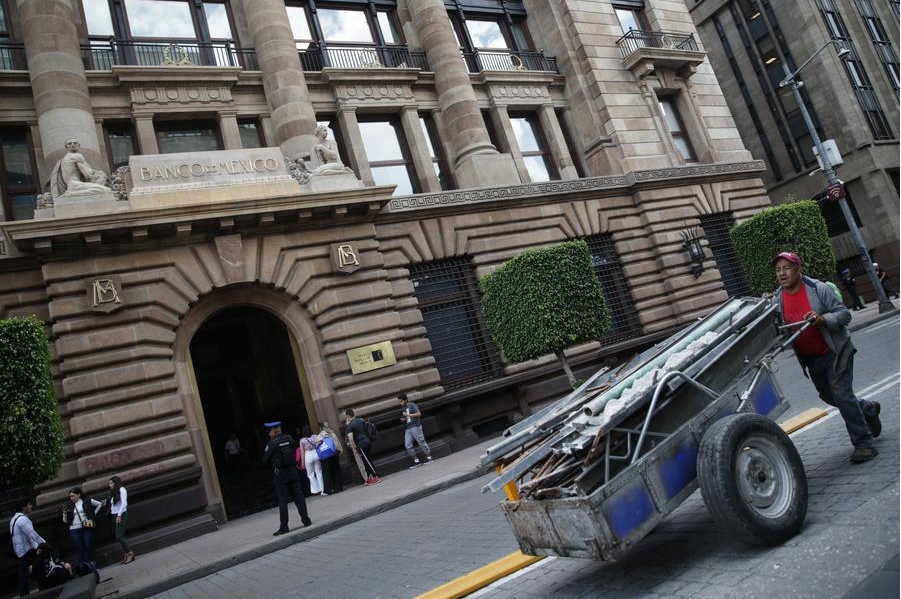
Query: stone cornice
x=621, y=184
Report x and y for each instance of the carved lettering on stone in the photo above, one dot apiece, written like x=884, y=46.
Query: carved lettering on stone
x=344, y=258
x=103, y=294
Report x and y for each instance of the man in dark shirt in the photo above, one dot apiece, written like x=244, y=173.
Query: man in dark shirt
x=279, y=455
x=360, y=443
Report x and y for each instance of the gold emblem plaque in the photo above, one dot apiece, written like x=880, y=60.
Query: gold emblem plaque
x=371, y=357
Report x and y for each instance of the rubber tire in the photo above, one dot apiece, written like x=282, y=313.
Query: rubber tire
x=752, y=479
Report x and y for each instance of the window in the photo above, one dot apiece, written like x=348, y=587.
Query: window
x=624, y=321
x=836, y=223
x=631, y=17
x=12, y=56
x=251, y=134
x=881, y=42
x=497, y=40
x=144, y=32
x=677, y=129
x=387, y=155
x=193, y=136
x=716, y=230
x=533, y=147
x=446, y=292
x=435, y=153
x=121, y=143
x=18, y=181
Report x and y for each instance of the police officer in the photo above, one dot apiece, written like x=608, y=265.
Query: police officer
x=279, y=455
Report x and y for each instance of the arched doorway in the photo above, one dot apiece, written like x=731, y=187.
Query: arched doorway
x=246, y=374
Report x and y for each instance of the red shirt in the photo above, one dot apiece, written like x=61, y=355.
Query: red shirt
x=794, y=307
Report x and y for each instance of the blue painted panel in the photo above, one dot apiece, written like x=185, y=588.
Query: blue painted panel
x=677, y=470
x=765, y=398
x=628, y=508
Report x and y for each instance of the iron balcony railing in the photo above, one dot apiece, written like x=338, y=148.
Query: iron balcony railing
x=12, y=57
x=508, y=60
x=635, y=39
x=316, y=58
x=103, y=55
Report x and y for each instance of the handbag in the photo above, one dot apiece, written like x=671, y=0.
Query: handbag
x=326, y=448
x=89, y=523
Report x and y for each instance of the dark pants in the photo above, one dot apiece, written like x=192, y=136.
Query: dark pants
x=331, y=474
x=855, y=298
x=287, y=484
x=24, y=562
x=834, y=384
x=83, y=539
x=367, y=463
x=120, y=531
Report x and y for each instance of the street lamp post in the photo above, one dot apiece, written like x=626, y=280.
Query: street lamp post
x=791, y=79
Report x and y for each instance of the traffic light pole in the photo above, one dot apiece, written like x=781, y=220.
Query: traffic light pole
x=791, y=79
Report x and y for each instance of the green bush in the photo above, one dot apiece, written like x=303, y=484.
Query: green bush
x=797, y=227
x=31, y=432
x=543, y=301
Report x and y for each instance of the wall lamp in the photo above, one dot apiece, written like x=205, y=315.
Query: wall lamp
x=692, y=242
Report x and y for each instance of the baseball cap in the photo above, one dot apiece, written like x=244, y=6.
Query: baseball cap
x=273, y=424
x=790, y=256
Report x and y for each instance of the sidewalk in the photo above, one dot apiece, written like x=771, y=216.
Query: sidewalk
x=251, y=537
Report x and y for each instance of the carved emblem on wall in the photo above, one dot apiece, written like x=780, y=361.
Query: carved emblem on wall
x=344, y=258
x=103, y=294
x=175, y=55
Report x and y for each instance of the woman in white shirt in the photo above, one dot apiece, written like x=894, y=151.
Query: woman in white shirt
x=80, y=514
x=118, y=505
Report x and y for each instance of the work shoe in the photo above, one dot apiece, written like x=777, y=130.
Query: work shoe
x=307, y=522
x=416, y=464
x=873, y=421
x=280, y=531
x=428, y=460
x=863, y=454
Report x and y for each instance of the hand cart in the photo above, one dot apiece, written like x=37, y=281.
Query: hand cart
x=593, y=473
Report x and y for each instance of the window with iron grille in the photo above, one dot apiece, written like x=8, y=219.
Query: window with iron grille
x=448, y=299
x=716, y=230
x=624, y=321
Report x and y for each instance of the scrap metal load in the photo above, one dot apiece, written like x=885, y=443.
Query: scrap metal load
x=577, y=444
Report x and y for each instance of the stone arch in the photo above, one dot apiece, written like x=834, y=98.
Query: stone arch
x=305, y=345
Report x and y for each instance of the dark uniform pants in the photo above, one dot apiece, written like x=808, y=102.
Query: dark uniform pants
x=287, y=484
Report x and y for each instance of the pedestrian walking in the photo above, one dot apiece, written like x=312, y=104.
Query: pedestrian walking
x=884, y=281
x=825, y=350
x=331, y=467
x=25, y=541
x=80, y=514
x=851, y=286
x=360, y=443
x=118, y=506
x=307, y=445
x=412, y=419
x=279, y=455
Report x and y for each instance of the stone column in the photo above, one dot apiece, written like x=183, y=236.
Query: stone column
x=228, y=127
x=475, y=161
x=419, y=150
x=553, y=134
x=58, y=82
x=286, y=90
x=353, y=141
x=146, y=133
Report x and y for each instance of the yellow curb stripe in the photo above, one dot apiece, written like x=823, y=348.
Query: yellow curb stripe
x=803, y=419
x=475, y=580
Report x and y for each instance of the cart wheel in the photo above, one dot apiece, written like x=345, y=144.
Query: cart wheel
x=752, y=479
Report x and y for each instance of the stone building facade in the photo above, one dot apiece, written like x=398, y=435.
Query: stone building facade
x=852, y=100
x=223, y=282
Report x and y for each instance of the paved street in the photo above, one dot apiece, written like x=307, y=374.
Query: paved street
x=851, y=531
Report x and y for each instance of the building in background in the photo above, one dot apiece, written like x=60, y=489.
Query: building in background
x=852, y=99
x=237, y=274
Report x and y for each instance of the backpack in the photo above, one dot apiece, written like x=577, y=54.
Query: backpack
x=372, y=431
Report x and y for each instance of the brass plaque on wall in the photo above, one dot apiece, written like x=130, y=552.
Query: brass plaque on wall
x=371, y=357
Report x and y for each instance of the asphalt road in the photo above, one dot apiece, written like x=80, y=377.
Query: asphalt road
x=851, y=531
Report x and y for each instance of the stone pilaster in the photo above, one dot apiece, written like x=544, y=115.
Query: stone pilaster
x=475, y=161
x=553, y=135
x=419, y=150
x=228, y=127
x=286, y=90
x=353, y=140
x=146, y=134
x=58, y=82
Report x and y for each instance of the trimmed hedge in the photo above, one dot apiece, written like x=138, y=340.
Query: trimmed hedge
x=543, y=301
x=797, y=227
x=31, y=431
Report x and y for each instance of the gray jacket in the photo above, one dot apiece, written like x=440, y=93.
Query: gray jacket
x=835, y=333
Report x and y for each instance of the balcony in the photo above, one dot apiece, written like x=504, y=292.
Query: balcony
x=316, y=58
x=645, y=51
x=508, y=60
x=12, y=57
x=103, y=55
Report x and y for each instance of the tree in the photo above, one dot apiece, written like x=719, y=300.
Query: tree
x=543, y=301
x=796, y=227
x=31, y=431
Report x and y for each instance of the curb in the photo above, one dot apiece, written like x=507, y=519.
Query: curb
x=298, y=535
